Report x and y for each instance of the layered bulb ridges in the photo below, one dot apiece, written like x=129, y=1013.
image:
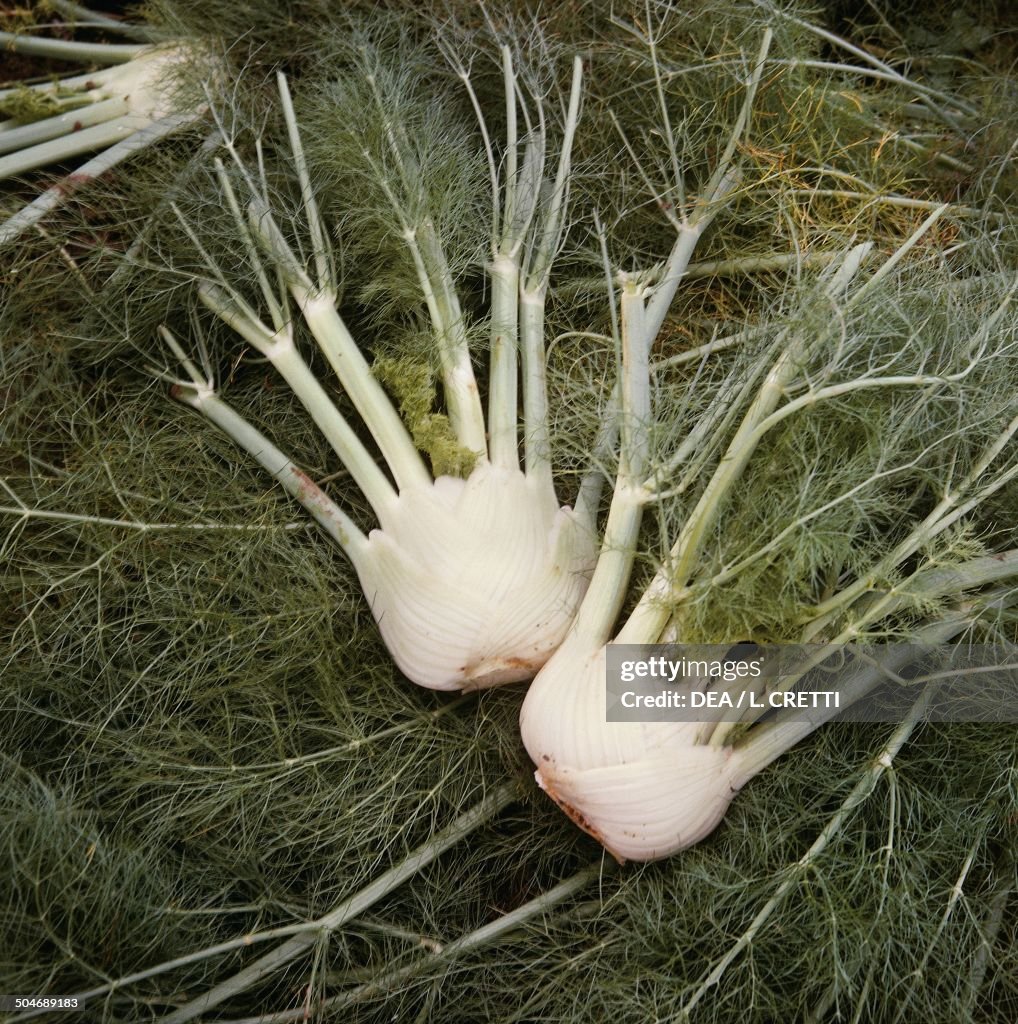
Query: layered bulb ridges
x=644, y=790
x=475, y=582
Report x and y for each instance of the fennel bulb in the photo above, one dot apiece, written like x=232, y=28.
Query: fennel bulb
x=118, y=110
x=475, y=581
x=87, y=112
x=476, y=568
x=643, y=790
x=647, y=790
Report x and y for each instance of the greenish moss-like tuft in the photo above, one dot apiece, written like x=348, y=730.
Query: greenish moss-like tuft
x=26, y=105
x=413, y=385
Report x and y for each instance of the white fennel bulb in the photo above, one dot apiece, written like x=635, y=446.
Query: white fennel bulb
x=145, y=83
x=648, y=789
x=474, y=573
x=131, y=102
x=53, y=122
x=474, y=582
x=644, y=790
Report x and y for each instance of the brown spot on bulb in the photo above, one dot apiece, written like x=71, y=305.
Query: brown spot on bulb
x=576, y=816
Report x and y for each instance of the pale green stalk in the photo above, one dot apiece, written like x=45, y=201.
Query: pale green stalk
x=119, y=129
x=77, y=15
x=351, y=907
x=542, y=253
x=696, y=448
x=837, y=390
x=279, y=348
x=365, y=392
x=37, y=132
x=536, y=269
x=652, y=612
x=510, y=225
x=643, y=313
x=49, y=200
x=66, y=89
x=649, y=617
x=607, y=591
x=276, y=304
x=293, y=479
x=64, y=49
x=504, y=275
x=201, y=396
x=536, y=438
x=319, y=247
x=459, y=385
x=588, y=497
x=317, y=302
x=904, y=202
x=524, y=245
x=277, y=345
x=458, y=381
x=26, y=512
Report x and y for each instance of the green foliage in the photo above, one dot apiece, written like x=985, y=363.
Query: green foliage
x=832, y=487
x=25, y=105
x=203, y=735
x=396, y=150
x=413, y=385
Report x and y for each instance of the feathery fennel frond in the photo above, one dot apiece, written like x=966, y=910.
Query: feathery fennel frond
x=206, y=740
